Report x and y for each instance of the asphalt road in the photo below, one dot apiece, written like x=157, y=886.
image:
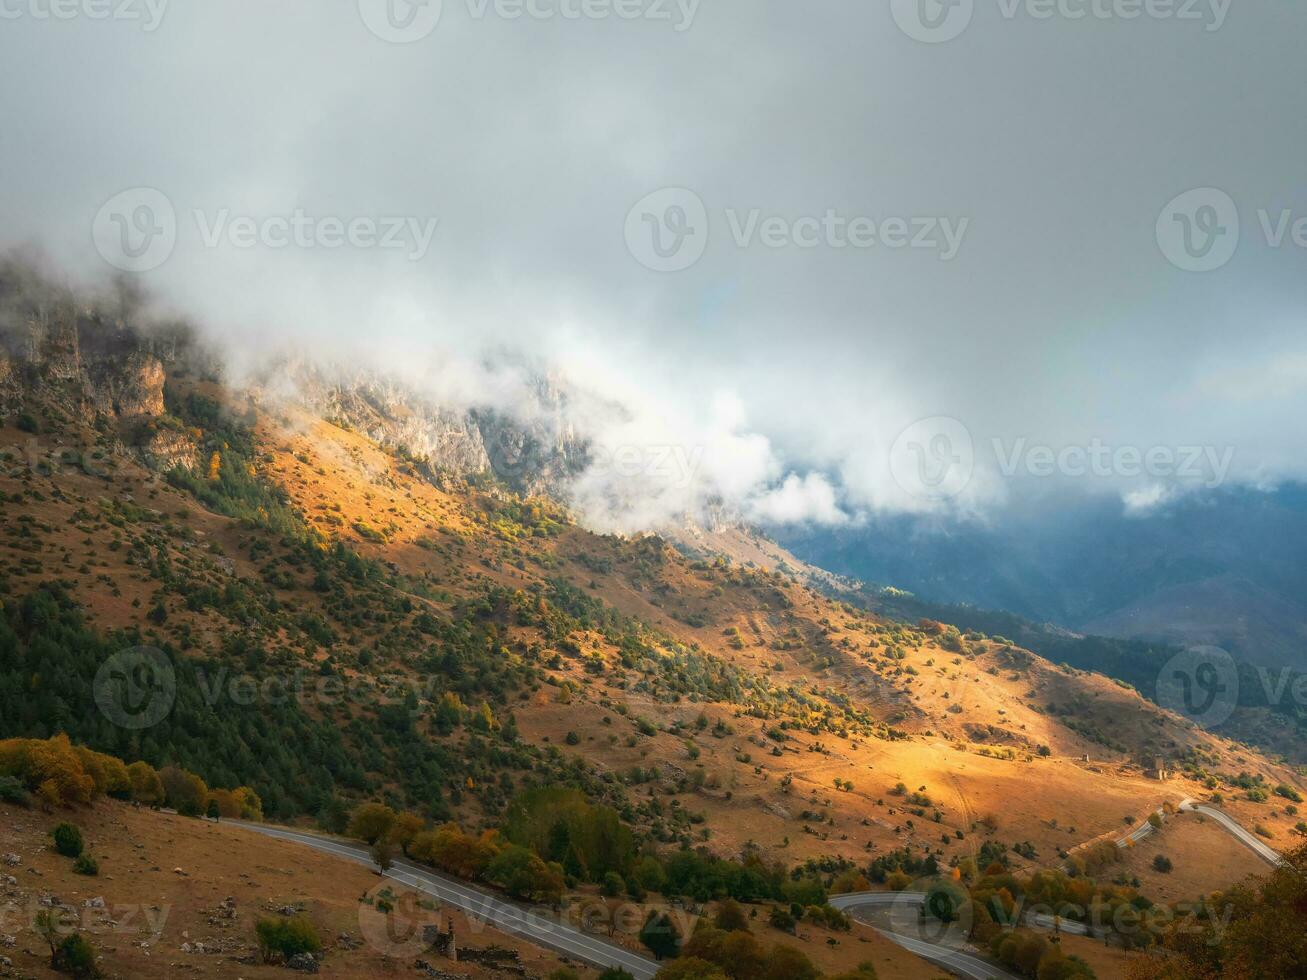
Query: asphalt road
x=900, y=921
x=897, y=916
x=513, y=919
x=1249, y=840
x=499, y=913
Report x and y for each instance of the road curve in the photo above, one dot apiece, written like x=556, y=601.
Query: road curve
x=500, y=913
x=566, y=939
x=970, y=966
x=850, y=900
x=957, y=961
x=1249, y=840
x=962, y=964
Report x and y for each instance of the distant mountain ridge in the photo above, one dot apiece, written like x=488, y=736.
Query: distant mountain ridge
x=1226, y=567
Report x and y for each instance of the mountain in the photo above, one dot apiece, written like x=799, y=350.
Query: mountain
x=1226, y=567
x=348, y=592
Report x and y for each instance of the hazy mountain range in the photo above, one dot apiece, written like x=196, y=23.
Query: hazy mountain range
x=1225, y=567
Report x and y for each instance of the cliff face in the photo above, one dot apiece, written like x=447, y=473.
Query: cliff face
x=10, y=388
x=63, y=363
x=83, y=364
x=83, y=367
x=65, y=360
x=533, y=457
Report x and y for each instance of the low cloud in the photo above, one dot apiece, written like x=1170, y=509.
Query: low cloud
x=806, y=499
x=771, y=382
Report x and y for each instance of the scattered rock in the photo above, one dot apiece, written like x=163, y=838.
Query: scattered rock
x=427, y=970
x=303, y=963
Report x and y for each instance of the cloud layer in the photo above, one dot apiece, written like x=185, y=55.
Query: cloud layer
x=501, y=157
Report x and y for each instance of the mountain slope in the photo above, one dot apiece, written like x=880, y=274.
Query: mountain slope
x=1224, y=567
x=343, y=623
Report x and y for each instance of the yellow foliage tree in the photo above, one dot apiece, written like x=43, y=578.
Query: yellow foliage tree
x=147, y=787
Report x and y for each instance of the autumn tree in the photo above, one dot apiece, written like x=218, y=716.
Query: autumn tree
x=185, y=792
x=146, y=785
x=370, y=822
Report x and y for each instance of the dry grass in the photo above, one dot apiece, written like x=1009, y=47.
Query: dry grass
x=151, y=909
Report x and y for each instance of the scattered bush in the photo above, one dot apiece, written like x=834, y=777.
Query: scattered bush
x=76, y=957
x=12, y=791
x=283, y=938
x=613, y=884
x=780, y=918
x=68, y=840
x=660, y=935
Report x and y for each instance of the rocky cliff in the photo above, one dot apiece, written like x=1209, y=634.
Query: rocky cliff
x=539, y=456
x=64, y=361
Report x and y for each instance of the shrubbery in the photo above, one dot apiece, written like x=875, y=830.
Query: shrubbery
x=282, y=938
x=1032, y=955
x=68, y=840
x=69, y=953
x=737, y=955
x=76, y=957
x=12, y=791
x=62, y=774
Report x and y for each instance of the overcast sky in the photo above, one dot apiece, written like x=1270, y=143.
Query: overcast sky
x=1035, y=289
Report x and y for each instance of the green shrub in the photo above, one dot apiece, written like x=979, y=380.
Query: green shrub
x=13, y=791
x=68, y=840
x=660, y=935
x=86, y=865
x=285, y=938
x=613, y=885
x=780, y=918
x=76, y=957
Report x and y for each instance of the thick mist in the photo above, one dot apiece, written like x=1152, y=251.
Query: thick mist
x=762, y=241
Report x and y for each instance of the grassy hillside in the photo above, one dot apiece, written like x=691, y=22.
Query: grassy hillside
x=335, y=623
x=341, y=629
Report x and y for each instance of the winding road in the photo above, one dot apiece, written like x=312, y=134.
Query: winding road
x=501, y=914
x=896, y=915
x=1249, y=840
x=902, y=923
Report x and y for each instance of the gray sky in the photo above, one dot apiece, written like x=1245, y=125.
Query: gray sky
x=1052, y=146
